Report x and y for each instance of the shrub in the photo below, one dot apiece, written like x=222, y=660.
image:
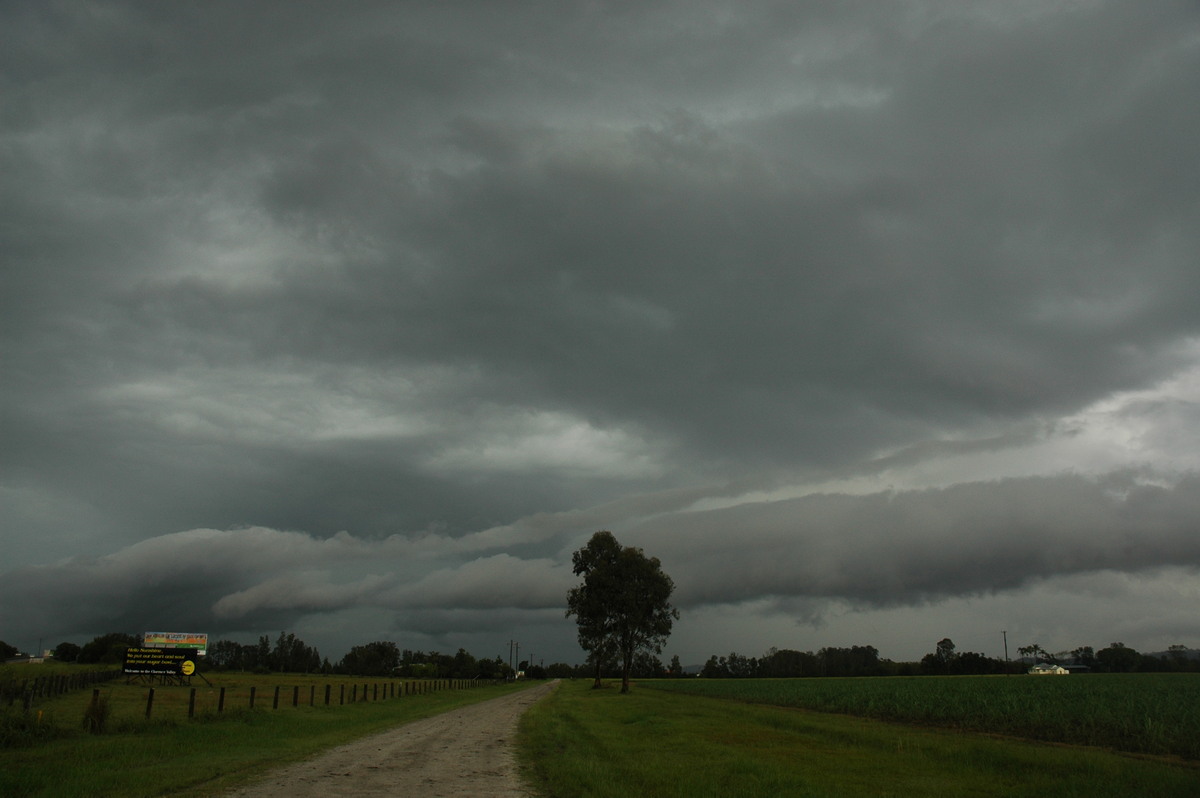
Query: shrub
x=20, y=728
x=95, y=716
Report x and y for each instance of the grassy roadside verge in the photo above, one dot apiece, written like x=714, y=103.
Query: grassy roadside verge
x=596, y=744
x=208, y=755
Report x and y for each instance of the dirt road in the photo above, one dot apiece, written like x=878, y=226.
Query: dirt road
x=466, y=752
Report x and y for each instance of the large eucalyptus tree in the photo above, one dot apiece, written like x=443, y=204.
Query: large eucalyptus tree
x=623, y=605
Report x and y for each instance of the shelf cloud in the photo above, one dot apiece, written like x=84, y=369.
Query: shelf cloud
x=358, y=323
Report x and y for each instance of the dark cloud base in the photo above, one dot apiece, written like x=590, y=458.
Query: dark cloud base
x=463, y=279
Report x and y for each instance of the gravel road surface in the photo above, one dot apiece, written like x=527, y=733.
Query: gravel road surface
x=465, y=752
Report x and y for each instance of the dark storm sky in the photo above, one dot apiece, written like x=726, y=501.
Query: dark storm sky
x=876, y=322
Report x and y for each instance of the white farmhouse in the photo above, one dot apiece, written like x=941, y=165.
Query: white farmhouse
x=1049, y=670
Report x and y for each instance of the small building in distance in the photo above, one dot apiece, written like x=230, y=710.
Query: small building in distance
x=1049, y=670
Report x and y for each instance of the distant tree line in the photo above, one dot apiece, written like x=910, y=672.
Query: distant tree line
x=382, y=658
x=289, y=654
x=785, y=663
x=1118, y=658
x=944, y=660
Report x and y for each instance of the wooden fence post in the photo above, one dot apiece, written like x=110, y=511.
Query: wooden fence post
x=328, y=688
x=295, y=695
x=149, y=702
x=192, y=703
x=275, y=703
x=221, y=702
x=252, y=691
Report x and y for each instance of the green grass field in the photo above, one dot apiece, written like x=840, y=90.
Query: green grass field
x=658, y=743
x=1151, y=713
x=172, y=755
x=738, y=738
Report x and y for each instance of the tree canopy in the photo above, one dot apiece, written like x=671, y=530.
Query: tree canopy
x=623, y=605
x=108, y=648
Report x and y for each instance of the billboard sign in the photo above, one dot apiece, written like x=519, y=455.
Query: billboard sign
x=160, y=661
x=192, y=640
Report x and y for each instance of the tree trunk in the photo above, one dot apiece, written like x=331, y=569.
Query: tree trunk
x=626, y=666
x=597, y=685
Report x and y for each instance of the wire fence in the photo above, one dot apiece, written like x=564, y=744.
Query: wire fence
x=29, y=691
x=213, y=699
